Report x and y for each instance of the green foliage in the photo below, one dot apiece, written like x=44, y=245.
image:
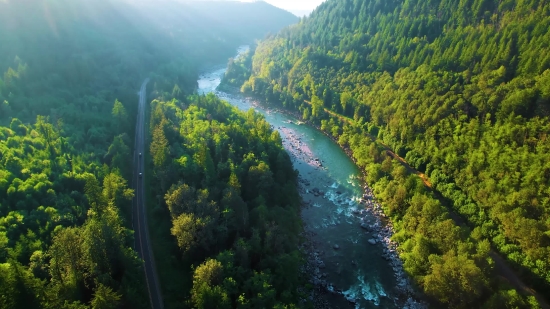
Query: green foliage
x=207, y=286
x=70, y=72
x=232, y=203
x=105, y=298
x=120, y=117
x=456, y=281
x=459, y=88
x=238, y=71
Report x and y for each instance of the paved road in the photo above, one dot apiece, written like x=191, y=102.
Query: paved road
x=139, y=213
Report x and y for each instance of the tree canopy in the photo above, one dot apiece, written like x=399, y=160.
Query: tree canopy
x=459, y=90
x=231, y=200
x=71, y=70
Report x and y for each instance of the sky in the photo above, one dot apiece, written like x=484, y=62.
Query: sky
x=298, y=7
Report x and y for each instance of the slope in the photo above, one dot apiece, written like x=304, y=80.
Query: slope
x=460, y=89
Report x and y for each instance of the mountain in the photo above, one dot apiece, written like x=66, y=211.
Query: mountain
x=154, y=31
x=456, y=91
x=301, y=13
x=228, y=23
x=247, y=19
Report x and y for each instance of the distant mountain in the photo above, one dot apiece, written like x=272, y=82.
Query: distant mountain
x=190, y=24
x=251, y=19
x=80, y=40
x=228, y=23
x=301, y=13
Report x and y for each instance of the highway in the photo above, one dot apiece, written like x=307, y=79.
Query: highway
x=139, y=213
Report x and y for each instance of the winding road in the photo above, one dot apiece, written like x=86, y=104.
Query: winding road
x=139, y=213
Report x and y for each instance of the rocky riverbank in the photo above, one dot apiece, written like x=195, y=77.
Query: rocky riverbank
x=369, y=218
x=372, y=221
x=382, y=231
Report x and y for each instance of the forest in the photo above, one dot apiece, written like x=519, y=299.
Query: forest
x=68, y=96
x=225, y=189
x=454, y=91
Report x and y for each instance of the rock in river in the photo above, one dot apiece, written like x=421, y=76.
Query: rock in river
x=372, y=241
x=336, y=247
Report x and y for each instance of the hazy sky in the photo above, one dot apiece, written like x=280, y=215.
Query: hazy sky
x=299, y=7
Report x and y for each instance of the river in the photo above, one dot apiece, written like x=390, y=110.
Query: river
x=350, y=263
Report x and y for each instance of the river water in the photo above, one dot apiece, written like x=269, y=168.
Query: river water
x=333, y=191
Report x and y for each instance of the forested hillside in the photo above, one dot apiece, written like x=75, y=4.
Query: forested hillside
x=68, y=97
x=197, y=25
x=227, y=203
x=461, y=90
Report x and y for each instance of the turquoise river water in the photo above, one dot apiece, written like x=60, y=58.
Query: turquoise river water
x=356, y=267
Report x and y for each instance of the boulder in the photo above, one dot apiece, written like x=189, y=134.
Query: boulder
x=372, y=241
x=336, y=247
x=365, y=226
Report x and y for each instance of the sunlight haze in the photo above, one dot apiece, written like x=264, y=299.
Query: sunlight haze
x=305, y=154
x=299, y=8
